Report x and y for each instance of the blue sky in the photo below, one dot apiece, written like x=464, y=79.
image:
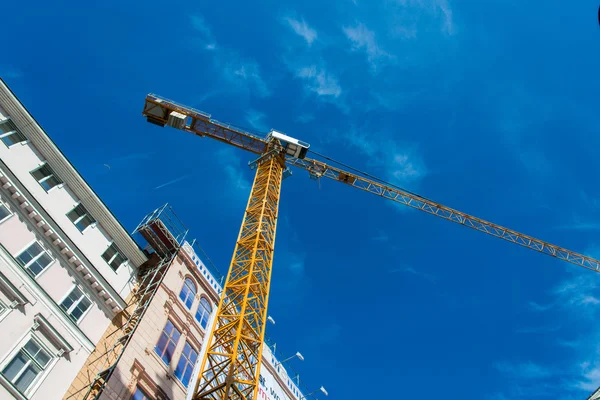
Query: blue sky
x=489, y=107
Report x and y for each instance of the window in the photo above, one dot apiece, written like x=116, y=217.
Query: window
x=75, y=304
x=45, y=176
x=167, y=342
x=9, y=133
x=34, y=259
x=80, y=217
x=188, y=291
x=113, y=256
x=203, y=312
x=4, y=213
x=184, y=369
x=140, y=395
x=26, y=366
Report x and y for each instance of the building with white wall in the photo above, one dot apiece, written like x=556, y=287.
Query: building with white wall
x=66, y=264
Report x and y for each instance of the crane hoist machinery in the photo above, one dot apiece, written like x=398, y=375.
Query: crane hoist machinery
x=231, y=363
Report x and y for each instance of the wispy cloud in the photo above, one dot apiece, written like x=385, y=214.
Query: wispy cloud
x=403, y=164
x=439, y=9
x=364, y=39
x=301, y=28
x=241, y=73
x=171, y=182
x=381, y=237
x=320, y=81
x=580, y=226
x=256, y=119
x=525, y=370
x=575, y=301
x=201, y=26
x=538, y=329
x=232, y=166
x=411, y=271
x=533, y=306
x=10, y=73
x=305, y=118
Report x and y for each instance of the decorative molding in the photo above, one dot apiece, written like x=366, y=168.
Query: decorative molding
x=13, y=293
x=40, y=322
x=40, y=294
x=68, y=250
x=68, y=174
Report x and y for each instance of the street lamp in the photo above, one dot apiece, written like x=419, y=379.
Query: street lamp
x=271, y=320
x=298, y=354
x=321, y=389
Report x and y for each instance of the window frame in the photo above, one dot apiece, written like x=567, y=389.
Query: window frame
x=117, y=253
x=169, y=339
x=34, y=259
x=39, y=379
x=76, y=303
x=142, y=391
x=46, y=178
x=193, y=290
x=208, y=312
x=16, y=131
x=10, y=213
x=183, y=356
x=86, y=213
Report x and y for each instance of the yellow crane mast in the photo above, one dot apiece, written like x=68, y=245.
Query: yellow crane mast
x=231, y=365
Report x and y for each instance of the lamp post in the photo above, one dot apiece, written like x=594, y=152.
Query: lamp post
x=321, y=389
x=298, y=354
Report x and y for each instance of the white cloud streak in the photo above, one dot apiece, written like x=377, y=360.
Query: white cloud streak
x=320, y=81
x=302, y=29
x=241, y=73
x=171, y=182
x=364, y=39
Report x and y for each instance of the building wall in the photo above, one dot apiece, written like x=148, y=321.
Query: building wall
x=140, y=365
x=30, y=306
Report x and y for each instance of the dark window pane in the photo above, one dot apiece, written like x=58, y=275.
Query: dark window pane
x=3, y=211
x=42, y=172
x=13, y=367
x=13, y=138
x=50, y=182
x=140, y=395
x=27, y=377
x=7, y=126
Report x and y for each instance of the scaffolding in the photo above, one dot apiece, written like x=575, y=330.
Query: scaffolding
x=165, y=234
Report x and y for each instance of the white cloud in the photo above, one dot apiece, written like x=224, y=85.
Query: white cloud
x=525, y=370
x=201, y=26
x=403, y=164
x=412, y=271
x=257, y=120
x=301, y=28
x=381, y=237
x=436, y=8
x=320, y=81
x=364, y=39
x=241, y=73
x=233, y=168
x=245, y=73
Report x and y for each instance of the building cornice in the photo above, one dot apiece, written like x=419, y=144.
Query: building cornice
x=36, y=215
x=41, y=295
x=68, y=174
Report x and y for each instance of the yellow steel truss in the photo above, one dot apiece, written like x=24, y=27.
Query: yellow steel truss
x=231, y=366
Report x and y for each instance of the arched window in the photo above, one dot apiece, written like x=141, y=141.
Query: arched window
x=188, y=291
x=203, y=312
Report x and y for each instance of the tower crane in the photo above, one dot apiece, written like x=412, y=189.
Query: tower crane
x=231, y=364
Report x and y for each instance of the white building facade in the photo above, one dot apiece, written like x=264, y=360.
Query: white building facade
x=66, y=263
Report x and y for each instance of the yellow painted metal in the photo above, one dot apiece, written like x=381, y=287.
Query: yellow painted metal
x=231, y=366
